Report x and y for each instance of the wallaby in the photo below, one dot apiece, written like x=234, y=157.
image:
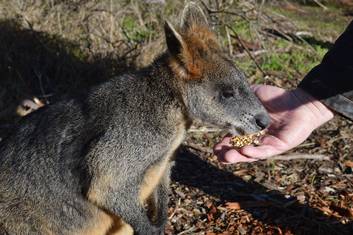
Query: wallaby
x=89, y=165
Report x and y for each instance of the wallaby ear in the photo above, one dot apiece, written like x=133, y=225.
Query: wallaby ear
x=193, y=15
x=174, y=40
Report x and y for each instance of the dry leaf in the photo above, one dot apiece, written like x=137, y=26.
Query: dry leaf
x=348, y=163
x=233, y=206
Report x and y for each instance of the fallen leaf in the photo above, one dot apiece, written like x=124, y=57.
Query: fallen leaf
x=348, y=163
x=233, y=206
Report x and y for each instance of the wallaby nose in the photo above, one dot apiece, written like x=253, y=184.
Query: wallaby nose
x=262, y=120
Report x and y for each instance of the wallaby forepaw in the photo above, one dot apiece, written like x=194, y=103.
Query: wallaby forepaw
x=153, y=230
x=159, y=230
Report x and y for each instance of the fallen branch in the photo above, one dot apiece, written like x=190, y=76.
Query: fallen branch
x=175, y=209
x=200, y=148
x=255, y=53
x=236, y=36
x=192, y=229
x=320, y=4
x=204, y=129
x=262, y=51
x=289, y=157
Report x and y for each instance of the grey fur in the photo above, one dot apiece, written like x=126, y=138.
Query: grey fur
x=117, y=130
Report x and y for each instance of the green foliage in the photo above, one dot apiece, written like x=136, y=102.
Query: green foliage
x=296, y=61
x=243, y=29
x=134, y=32
x=284, y=58
x=320, y=23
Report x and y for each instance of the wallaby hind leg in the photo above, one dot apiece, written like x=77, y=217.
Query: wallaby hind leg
x=120, y=228
x=157, y=205
x=91, y=221
x=100, y=224
x=73, y=216
x=123, y=200
x=80, y=217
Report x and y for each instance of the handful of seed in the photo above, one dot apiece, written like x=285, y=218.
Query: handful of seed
x=243, y=140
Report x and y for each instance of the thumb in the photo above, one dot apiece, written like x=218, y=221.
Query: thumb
x=255, y=87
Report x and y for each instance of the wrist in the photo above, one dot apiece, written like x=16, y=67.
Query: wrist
x=321, y=113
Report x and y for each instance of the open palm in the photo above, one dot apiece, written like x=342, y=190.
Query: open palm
x=294, y=115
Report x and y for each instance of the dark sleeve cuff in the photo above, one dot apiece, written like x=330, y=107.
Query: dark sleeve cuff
x=332, y=80
x=339, y=100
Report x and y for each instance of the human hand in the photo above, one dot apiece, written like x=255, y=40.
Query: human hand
x=294, y=115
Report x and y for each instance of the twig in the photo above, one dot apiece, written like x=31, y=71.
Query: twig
x=39, y=76
x=236, y=36
x=175, y=209
x=200, y=148
x=320, y=4
x=222, y=11
x=112, y=20
x=306, y=145
x=193, y=228
x=289, y=157
x=204, y=129
x=255, y=53
x=59, y=23
x=303, y=33
x=263, y=51
x=229, y=42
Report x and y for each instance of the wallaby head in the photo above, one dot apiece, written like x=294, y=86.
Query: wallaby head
x=212, y=88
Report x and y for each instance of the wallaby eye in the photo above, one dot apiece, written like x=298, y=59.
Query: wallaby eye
x=228, y=93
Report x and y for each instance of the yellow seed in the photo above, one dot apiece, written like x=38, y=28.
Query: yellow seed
x=241, y=141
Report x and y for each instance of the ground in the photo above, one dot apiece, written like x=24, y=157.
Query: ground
x=51, y=48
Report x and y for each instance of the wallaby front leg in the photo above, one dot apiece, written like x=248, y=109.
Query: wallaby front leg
x=162, y=198
x=157, y=203
x=154, y=192
x=125, y=204
x=157, y=206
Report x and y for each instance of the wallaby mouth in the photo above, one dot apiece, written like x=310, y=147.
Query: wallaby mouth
x=234, y=130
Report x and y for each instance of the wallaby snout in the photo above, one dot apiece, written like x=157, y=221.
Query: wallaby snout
x=262, y=120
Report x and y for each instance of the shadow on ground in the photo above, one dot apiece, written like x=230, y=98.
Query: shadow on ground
x=192, y=171
x=36, y=64
x=299, y=39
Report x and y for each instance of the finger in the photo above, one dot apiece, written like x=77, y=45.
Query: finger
x=254, y=87
x=228, y=155
x=233, y=156
x=222, y=147
x=225, y=142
